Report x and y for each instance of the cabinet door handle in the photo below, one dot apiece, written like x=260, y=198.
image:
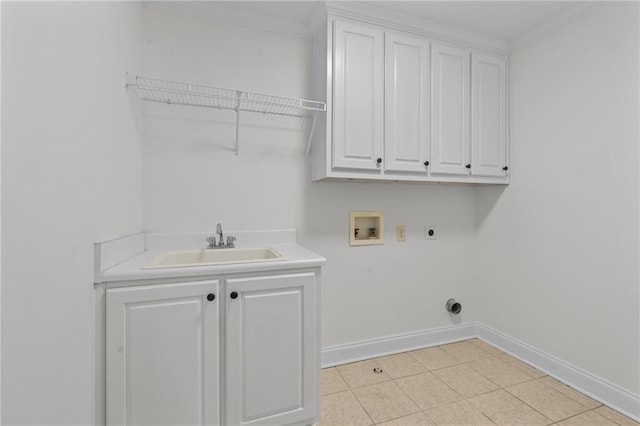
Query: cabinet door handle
x=211, y=297
x=379, y=160
x=505, y=168
x=426, y=163
x=234, y=294
x=468, y=166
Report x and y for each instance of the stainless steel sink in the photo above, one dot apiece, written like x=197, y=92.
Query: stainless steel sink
x=186, y=258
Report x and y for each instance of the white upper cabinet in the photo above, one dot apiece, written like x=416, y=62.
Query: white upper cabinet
x=358, y=94
x=450, y=110
x=488, y=116
x=406, y=104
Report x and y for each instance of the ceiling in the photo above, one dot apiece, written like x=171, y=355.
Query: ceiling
x=510, y=21
x=506, y=20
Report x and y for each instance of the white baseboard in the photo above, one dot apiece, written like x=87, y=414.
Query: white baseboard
x=343, y=354
x=592, y=386
x=587, y=383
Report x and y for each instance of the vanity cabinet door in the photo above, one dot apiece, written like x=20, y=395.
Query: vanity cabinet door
x=162, y=353
x=450, y=110
x=488, y=115
x=358, y=61
x=271, y=350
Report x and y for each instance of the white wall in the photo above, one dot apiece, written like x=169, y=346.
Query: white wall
x=71, y=176
x=557, y=251
x=192, y=180
x=0, y=221
x=192, y=177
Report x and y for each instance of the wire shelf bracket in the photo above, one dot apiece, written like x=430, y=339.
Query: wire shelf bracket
x=177, y=93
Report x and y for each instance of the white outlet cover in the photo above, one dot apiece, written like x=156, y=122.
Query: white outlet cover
x=428, y=228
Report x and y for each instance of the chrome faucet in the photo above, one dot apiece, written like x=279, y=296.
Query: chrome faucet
x=219, y=232
x=220, y=244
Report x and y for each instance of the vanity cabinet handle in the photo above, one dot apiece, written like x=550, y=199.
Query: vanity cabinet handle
x=234, y=294
x=505, y=168
x=211, y=297
x=426, y=163
x=379, y=160
x=468, y=166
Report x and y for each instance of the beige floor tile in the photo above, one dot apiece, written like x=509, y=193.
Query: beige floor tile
x=331, y=381
x=548, y=401
x=341, y=409
x=570, y=392
x=434, y=358
x=427, y=390
x=486, y=347
x=465, y=380
x=417, y=419
x=533, y=372
x=400, y=365
x=465, y=351
x=438, y=379
x=458, y=414
x=385, y=401
x=361, y=373
x=505, y=409
x=499, y=372
x=616, y=417
x=590, y=418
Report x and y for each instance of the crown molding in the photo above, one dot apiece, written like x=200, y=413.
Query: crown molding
x=369, y=12
x=355, y=10
x=374, y=14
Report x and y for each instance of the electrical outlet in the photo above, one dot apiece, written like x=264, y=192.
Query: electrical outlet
x=401, y=233
x=430, y=232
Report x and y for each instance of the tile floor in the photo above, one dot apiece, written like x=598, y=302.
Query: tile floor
x=464, y=383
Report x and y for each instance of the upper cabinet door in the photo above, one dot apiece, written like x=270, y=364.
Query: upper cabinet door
x=450, y=110
x=358, y=60
x=488, y=115
x=406, y=104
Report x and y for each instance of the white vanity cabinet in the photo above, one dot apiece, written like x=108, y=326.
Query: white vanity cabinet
x=162, y=354
x=240, y=349
x=443, y=117
x=271, y=363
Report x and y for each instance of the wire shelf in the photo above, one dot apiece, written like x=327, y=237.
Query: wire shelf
x=171, y=92
x=177, y=93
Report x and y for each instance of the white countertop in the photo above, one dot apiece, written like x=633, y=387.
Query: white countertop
x=131, y=269
x=135, y=258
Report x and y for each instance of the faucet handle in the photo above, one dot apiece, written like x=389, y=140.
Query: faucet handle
x=230, y=241
x=212, y=241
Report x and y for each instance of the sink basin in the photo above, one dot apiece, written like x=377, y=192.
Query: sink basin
x=185, y=258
